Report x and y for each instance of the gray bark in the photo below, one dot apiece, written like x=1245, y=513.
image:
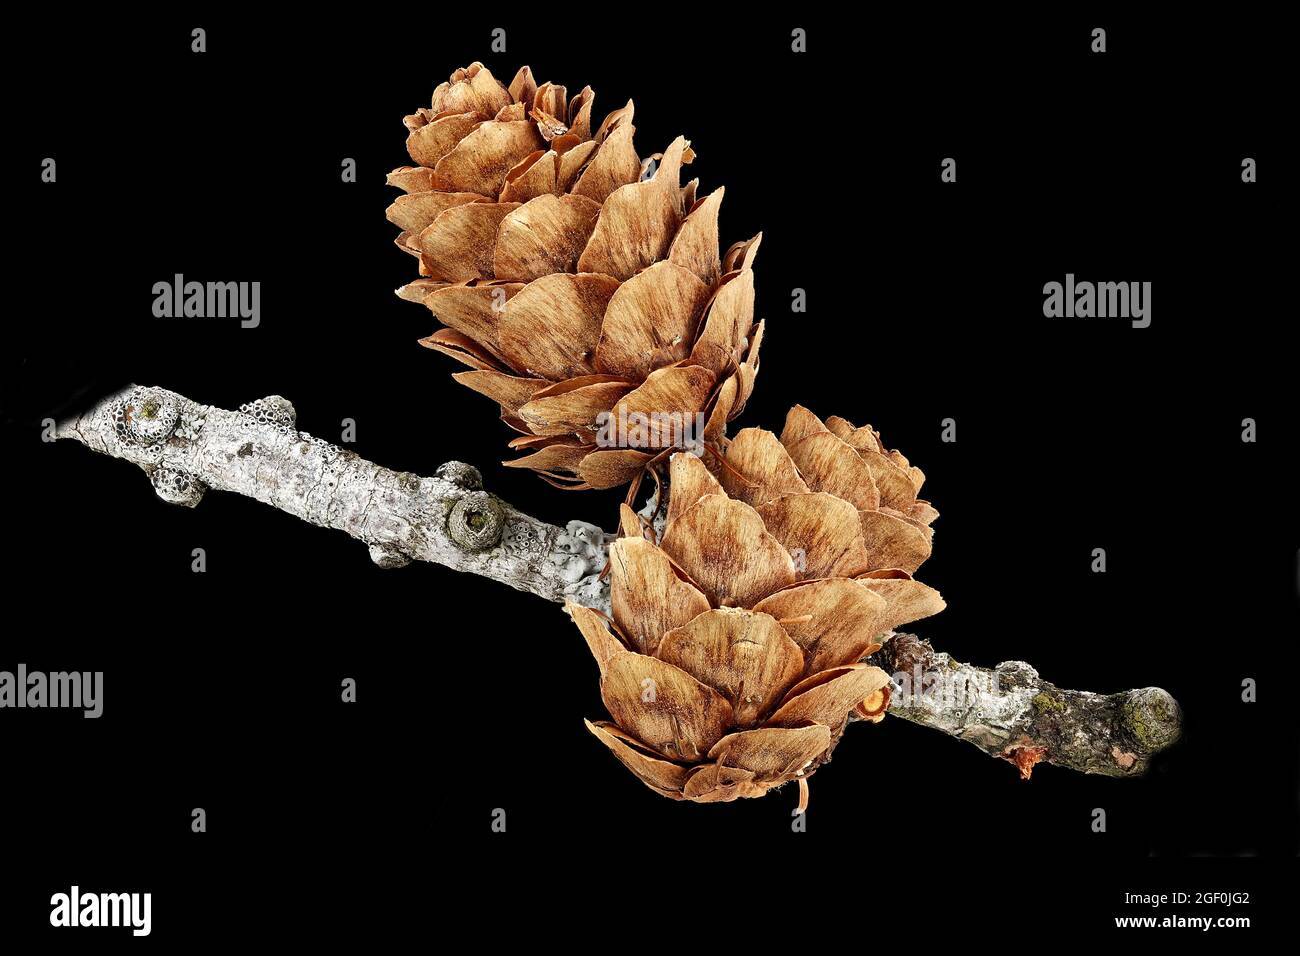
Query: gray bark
x=186, y=448
x=1010, y=712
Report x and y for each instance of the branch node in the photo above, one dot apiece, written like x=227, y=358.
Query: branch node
x=146, y=416
x=1152, y=716
x=460, y=474
x=177, y=487
x=388, y=557
x=272, y=410
x=476, y=521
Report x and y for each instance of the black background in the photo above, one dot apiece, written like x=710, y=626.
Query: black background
x=924, y=302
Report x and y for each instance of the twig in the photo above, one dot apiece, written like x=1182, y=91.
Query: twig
x=257, y=451
x=1010, y=712
x=186, y=448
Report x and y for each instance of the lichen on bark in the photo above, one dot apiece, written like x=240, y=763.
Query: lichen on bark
x=1015, y=715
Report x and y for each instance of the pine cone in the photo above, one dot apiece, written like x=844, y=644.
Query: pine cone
x=583, y=287
x=734, y=663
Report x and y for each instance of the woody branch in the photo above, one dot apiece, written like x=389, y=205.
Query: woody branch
x=186, y=448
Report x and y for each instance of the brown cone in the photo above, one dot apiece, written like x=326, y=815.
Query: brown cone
x=734, y=660
x=583, y=286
